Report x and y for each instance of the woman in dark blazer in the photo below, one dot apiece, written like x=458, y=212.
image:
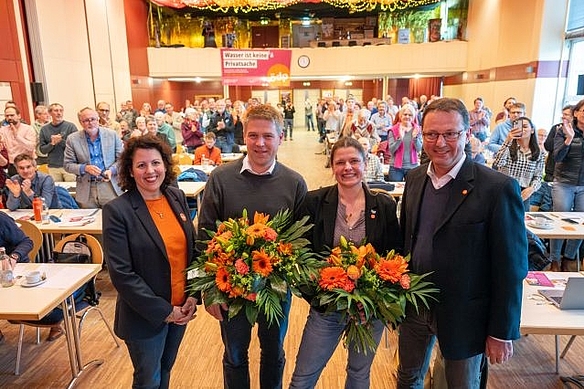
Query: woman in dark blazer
x=351, y=210
x=148, y=244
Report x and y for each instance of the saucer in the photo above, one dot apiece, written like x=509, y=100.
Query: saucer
x=25, y=284
x=549, y=226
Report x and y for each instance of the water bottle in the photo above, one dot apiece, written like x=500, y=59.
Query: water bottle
x=204, y=161
x=45, y=212
x=6, y=275
x=37, y=208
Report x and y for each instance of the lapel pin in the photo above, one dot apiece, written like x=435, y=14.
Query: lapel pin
x=465, y=192
x=183, y=217
x=373, y=212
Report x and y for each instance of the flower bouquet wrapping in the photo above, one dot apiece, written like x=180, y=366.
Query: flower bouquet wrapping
x=365, y=286
x=251, y=267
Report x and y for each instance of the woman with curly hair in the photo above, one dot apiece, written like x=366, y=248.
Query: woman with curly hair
x=149, y=240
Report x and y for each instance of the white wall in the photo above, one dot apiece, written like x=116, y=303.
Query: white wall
x=81, y=62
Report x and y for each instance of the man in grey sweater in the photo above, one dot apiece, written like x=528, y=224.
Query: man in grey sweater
x=52, y=142
x=259, y=183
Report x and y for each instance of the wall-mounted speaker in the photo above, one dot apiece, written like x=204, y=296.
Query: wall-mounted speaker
x=580, y=89
x=37, y=92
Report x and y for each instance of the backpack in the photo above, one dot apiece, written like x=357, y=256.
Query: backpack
x=78, y=251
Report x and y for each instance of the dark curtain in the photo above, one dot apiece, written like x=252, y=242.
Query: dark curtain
x=425, y=86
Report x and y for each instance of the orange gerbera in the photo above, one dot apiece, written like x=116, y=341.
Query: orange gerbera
x=392, y=269
x=333, y=278
x=256, y=230
x=261, y=263
x=222, y=280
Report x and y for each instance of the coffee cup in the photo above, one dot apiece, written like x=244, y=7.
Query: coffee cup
x=542, y=222
x=33, y=277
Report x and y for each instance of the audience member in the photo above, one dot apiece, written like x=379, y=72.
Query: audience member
x=504, y=115
x=42, y=117
x=500, y=132
x=166, y=129
x=92, y=155
x=103, y=110
x=363, y=127
x=16, y=243
x=477, y=151
x=480, y=119
x=542, y=199
x=52, y=142
x=567, y=193
x=237, y=113
x=209, y=152
x=146, y=110
x=445, y=222
x=29, y=183
x=18, y=137
x=332, y=119
x=520, y=158
x=191, y=131
x=3, y=166
x=129, y=114
x=309, y=115
x=373, y=171
x=405, y=142
x=222, y=125
x=160, y=107
x=382, y=121
x=347, y=117
x=289, y=112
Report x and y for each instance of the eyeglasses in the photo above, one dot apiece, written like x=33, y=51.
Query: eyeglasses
x=516, y=112
x=448, y=136
x=89, y=120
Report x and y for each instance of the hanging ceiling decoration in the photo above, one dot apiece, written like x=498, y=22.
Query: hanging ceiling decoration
x=245, y=6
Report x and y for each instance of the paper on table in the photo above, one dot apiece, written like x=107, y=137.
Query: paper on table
x=76, y=223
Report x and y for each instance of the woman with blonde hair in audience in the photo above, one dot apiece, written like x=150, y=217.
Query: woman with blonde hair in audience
x=405, y=143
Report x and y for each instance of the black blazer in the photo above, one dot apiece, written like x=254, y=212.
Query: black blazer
x=138, y=264
x=381, y=225
x=479, y=256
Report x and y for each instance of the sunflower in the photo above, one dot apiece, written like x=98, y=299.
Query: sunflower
x=333, y=278
x=261, y=263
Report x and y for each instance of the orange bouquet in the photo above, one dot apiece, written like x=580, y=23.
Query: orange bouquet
x=251, y=266
x=365, y=286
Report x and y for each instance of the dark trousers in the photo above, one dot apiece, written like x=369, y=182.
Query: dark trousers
x=236, y=336
x=154, y=357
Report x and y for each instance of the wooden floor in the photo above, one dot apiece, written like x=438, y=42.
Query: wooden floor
x=199, y=361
